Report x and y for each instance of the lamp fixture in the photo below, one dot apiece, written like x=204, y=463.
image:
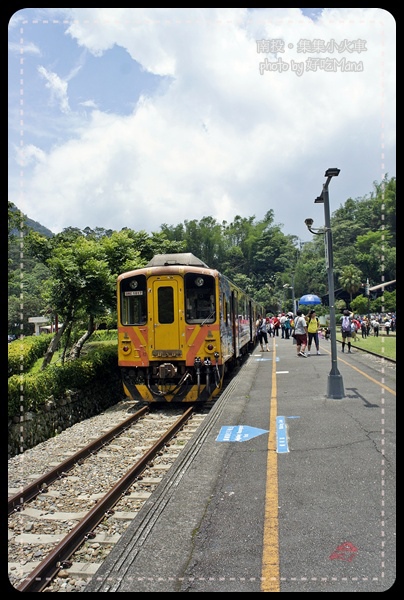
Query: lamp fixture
x=309, y=225
x=332, y=172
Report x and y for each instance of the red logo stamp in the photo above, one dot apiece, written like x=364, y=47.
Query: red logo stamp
x=345, y=551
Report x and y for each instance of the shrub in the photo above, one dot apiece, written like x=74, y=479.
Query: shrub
x=24, y=352
x=31, y=391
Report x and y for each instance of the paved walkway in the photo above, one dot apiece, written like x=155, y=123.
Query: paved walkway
x=283, y=490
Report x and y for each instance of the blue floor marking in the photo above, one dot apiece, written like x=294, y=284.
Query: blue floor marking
x=281, y=437
x=238, y=433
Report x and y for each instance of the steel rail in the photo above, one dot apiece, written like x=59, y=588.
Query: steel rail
x=16, y=502
x=48, y=569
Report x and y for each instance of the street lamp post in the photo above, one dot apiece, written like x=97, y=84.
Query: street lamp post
x=368, y=295
x=285, y=287
x=335, y=384
x=293, y=295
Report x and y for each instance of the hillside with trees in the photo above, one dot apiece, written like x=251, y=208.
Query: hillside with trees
x=71, y=276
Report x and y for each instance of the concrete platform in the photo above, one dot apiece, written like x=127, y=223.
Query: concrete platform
x=281, y=488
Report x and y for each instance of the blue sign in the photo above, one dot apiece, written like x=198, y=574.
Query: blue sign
x=238, y=433
x=281, y=438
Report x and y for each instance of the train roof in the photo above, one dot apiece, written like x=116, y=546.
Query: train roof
x=184, y=258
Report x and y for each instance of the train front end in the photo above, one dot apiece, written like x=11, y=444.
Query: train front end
x=169, y=338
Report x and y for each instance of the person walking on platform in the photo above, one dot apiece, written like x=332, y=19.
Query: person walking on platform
x=346, y=330
x=301, y=334
x=313, y=327
x=288, y=327
x=262, y=333
x=277, y=325
x=375, y=325
x=282, y=320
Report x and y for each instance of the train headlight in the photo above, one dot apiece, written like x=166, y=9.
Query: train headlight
x=210, y=347
x=133, y=284
x=199, y=281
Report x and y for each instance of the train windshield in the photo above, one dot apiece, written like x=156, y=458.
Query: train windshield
x=133, y=301
x=200, y=305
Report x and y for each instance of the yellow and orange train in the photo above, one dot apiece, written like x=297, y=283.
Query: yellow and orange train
x=181, y=327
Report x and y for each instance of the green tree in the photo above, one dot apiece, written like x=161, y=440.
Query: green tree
x=204, y=240
x=350, y=280
x=254, y=253
x=25, y=299
x=82, y=274
x=244, y=233
x=122, y=251
x=80, y=281
x=384, y=303
x=359, y=305
x=173, y=233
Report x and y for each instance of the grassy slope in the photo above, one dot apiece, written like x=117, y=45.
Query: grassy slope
x=385, y=345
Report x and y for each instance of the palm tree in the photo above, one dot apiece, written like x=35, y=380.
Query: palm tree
x=350, y=280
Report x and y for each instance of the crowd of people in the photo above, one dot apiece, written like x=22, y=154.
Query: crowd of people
x=306, y=329
x=371, y=325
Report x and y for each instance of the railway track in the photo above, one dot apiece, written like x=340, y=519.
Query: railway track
x=67, y=530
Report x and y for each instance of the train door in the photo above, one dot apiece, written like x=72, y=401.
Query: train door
x=166, y=322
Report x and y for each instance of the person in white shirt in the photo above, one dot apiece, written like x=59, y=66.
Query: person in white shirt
x=301, y=334
x=282, y=319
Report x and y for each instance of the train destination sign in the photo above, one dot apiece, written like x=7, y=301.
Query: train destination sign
x=238, y=433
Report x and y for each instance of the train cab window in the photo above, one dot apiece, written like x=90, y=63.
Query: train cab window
x=166, y=305
x=200, y=305
x=133, y=300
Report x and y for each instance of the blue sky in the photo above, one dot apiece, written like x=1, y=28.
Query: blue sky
x=143, y=116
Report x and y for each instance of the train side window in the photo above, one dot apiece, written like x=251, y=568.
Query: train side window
x=226, y=310
x=133, y=301
x=166, y=305
x=200, y=305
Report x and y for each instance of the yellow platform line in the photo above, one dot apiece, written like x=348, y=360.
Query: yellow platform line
x=270, y=580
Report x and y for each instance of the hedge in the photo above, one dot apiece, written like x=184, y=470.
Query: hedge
x=31, y=391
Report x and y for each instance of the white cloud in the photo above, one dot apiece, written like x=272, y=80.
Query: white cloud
x=58, y=88
x=220, y=139
x=29, y=154
x=32, y=49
